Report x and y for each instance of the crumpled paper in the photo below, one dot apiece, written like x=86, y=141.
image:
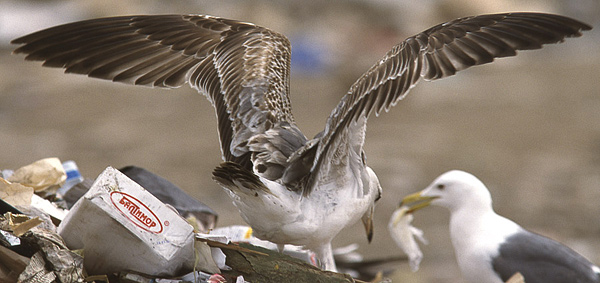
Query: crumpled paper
x=404, y=235
x=44, y=174
x=14, y=193
x=53, y=262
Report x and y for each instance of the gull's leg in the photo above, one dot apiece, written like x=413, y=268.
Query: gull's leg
x=280, y=247
x=324, y=254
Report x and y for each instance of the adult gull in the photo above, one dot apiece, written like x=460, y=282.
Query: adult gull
x=490, y=248
x=288, y=188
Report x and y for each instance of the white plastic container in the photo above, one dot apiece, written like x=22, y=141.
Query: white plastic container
x=120, y=226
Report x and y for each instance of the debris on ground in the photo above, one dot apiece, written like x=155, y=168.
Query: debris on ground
x=52, y=260
x=15, y=193
x=131, y=225
x=45, y=176
x=33, y=254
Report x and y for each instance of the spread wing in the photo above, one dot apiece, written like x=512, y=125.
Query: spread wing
x=243, y=69
x=436, y=53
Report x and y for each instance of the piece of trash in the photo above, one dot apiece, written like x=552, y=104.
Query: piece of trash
x=8, y=239
x=36, y=271
x=216, y=278
x=77, y=191
x=404, y=235
x=73, y=177
x=516, y=278
x=19, y=224
x=53, y=262
x=212, y=259
x=202, y=217
x=5, y=173
x=122, y=227
x=48, y=207
x=43, y=175
x=235, y=233
x=24, y=227
x=243, y=234
x=48, y=222
x=139, y=278
x=196, y=276
x=23, y=199
x=15, y=193
x=128, y=277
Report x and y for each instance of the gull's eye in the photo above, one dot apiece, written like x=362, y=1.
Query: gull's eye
x=441, y=186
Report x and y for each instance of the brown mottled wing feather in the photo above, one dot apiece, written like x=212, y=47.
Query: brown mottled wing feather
x=438, y=52
x=243, y=69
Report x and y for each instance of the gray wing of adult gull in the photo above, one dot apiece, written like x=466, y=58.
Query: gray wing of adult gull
x=436, y=53
x=540, y=259
x=243, y=69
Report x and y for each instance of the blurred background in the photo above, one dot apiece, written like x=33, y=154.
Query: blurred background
x=527, y=126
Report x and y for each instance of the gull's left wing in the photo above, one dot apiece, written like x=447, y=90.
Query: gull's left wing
x=436, y=53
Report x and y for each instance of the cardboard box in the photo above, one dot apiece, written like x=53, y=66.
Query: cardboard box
x=120, y=226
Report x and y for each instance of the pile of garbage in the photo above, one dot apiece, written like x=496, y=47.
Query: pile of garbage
x=130, y=225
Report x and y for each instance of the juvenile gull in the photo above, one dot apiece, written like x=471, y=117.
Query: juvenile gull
x=490, y=248
x=289, y=189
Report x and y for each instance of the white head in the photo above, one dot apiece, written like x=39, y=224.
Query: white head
x=454, y=190
x=475, y=229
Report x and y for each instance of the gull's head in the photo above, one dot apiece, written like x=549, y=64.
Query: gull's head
x=453, y=190
x=372, y=186
x=373, y=180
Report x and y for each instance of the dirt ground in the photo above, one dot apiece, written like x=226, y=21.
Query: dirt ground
x=528, y=127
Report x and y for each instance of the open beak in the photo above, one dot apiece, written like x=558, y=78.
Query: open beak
x=416, y=201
